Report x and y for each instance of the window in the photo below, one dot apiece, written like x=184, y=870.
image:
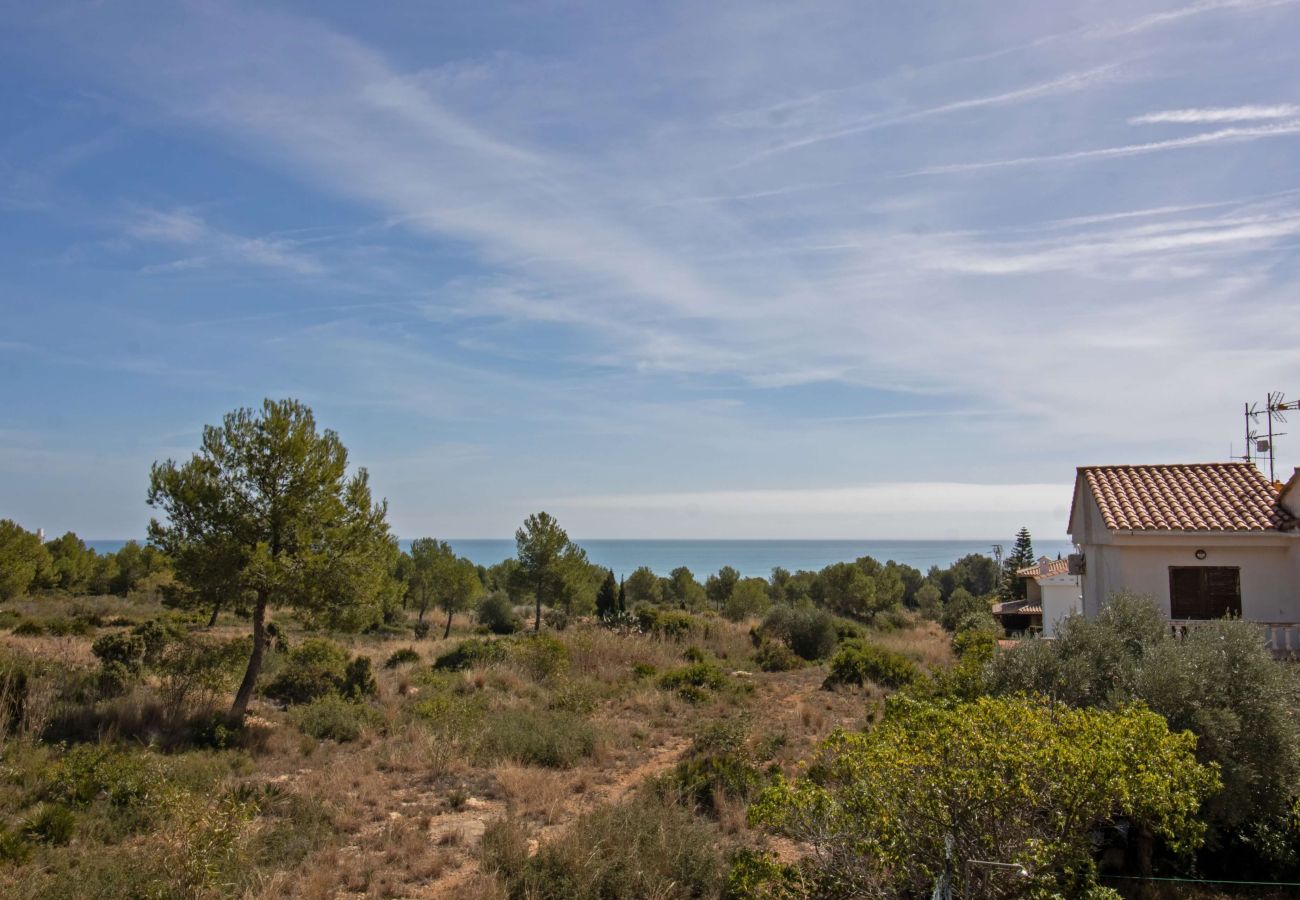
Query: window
x=1204, y=592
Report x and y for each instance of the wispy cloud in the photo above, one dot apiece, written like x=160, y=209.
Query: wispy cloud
x=214, y=246
x=1216, y=114
x=1206, y=138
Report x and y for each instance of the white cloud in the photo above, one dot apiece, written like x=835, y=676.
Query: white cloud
x=1215, y=114
x=1206, y=138
x=215, y=246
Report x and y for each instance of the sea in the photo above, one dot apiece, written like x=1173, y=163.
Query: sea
x=750, y=558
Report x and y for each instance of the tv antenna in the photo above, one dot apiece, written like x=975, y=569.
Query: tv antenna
x=1276, y=409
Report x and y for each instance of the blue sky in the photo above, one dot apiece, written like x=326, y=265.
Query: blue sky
x=676, y=269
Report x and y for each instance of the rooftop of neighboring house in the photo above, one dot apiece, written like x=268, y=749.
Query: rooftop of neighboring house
x=1045, y=568
x=1202, y=497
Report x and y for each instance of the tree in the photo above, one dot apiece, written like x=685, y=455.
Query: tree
x=929, y=602
x=265, y=509
x=748, y=598
x=24, y=560
x=436, y=575
x=1021, y=557
x=541, y=545
x=846, y=589
x=622, y=596
x=643, y=587
x=1219, y=681
x=718, y=587
x=684, y=590
x=72, y=563
x=607, y=597
x=135, y=563
x=890, y=811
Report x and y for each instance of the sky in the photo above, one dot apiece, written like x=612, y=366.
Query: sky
x=680, y=269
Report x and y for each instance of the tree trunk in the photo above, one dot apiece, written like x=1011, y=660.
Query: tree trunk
x=447, y=632
x=254, y=661
x=216, y=608
x=420, y=617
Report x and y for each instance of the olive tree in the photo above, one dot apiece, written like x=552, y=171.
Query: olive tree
x=266, y=510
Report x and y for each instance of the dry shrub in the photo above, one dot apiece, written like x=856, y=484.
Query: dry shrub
x=926, y=644
x=534, y=791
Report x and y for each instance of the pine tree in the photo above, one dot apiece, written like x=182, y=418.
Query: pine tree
x=607, y=596
x=1021, y=557
x=622, y=597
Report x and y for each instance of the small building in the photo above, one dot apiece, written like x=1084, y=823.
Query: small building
x=1205, y=540
x=1051, y=596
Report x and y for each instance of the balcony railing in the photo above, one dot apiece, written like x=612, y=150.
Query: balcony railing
x=1283, y=638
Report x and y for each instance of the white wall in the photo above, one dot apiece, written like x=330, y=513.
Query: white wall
x=1060, y=601
x=1270, y=570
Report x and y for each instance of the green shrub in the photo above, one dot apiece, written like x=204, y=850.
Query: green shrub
x=29, y=628
x=667, y=623
x=760, y=875
x=314, y=668
x=703, y=779
x=421, y=629
x=50, y=824
x=540, y=655
x=64, y=627
x=471, y=652
x=558, y=740
x=156, y=635
x=359, y=680
x=775, y=657
x=645, y=846
x=14, y=846
x=693, y=654
x=335, y=719
x=644, y=670
x=15, y=684
x=121, y=662
x=402, y=657
x=807, y=630
x=857, y=662
x=89, y=771
x=693, y=682
x=497, y=614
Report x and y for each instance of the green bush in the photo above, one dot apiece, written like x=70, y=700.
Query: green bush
x=644, y=670
x=808, y=631
x=402, y=657
x=776, y=657
x=693, y=682
x=760, y=875
x=14, y=847
x=359, y=680
x=645, y=846
x=556, y=739
x=15, y=684
x=50, y=824
x=669, y=623
x=121, y=662
x=857, y=662
x=64, y=627
x=335, y=719
x=89, y=771
x=471, y=652
x=421, y=629
x=29, y=628
x=314, y=668
x=156, y=635
x=497, y=614
x=540, y=655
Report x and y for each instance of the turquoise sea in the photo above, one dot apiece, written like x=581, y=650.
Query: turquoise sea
x=750, y=558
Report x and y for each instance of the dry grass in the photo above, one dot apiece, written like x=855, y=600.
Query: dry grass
x=534, y=792
x=926, y=644
x=407, y=803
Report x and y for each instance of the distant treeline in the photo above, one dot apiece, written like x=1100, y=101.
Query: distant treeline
x=426, y=576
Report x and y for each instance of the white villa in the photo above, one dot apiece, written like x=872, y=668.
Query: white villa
x=1051, y=596
x=1204, y=540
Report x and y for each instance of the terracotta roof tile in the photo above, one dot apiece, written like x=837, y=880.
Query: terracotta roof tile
x=1045, y=568
x=1202, y=497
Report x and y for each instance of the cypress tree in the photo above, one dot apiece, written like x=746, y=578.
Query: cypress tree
x=622, y=597
x=1021, y=556
x=607, y=597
